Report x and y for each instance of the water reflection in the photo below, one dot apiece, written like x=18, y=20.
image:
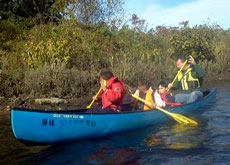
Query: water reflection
x=12, y=150
x=174, y=137
x=111, y=155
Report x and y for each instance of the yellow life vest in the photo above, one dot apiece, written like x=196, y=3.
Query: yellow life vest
x=148, y=98
x=187, y=81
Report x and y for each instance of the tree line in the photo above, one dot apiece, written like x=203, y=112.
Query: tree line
x=57, y=48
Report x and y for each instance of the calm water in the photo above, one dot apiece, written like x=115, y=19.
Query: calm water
x=165, y=144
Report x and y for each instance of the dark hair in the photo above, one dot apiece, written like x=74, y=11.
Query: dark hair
x=163, y=84
x=182, y=58
x=142, y=82
x=106, y=74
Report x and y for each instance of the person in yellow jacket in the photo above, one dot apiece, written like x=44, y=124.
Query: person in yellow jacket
x=189, y=81
x=145, y=92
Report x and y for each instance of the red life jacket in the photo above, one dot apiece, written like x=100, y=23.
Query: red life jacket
x=164, y=98
x=113, y=96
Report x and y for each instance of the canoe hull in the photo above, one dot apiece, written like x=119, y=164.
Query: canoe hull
x=42, y=126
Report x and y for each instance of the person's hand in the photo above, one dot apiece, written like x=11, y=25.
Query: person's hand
x=103, y=87
x=170, y=85
x=94, y=97
x=192, y=60
x=154, y=105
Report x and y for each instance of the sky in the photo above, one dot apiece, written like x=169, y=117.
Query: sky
x=172, y=12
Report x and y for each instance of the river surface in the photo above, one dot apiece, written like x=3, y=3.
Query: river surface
x=169, y=143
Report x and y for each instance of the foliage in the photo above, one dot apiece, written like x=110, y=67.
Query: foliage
x=45, y=10
x=63, y=59
x=195, y=41
x=59, y=81
x=97, y=11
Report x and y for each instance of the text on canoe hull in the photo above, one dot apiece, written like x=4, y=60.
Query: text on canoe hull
x=69, y=122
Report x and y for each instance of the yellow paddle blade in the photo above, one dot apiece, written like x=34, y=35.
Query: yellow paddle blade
x=179, y=118
x=179, y=121
x=182, y=119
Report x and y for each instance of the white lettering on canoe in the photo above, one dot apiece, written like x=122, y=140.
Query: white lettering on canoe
x=57, y=115
x=68, y=116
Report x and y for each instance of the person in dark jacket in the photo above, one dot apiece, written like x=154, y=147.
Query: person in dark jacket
x=189, y=81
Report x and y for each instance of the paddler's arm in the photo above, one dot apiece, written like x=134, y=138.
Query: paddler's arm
x=175, y=86
x=197, y=71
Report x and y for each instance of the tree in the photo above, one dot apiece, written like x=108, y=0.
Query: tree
x=97, y=11
x=45, y=10
x=137, y=23
x=197, y=41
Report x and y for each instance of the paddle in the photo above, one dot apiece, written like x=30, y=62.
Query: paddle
x=186, y=61
x=179, y=118
x=90, y=105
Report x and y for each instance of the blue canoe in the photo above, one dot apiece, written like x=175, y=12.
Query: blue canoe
x=51, y=126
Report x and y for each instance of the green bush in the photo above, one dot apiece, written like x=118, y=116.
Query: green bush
x=197, y=41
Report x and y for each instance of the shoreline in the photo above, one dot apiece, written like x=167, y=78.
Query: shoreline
x=212, y=77
x=77, y=103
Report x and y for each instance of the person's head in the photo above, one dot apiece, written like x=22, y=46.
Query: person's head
x=180, y=61
x=105, y=75
x=162, y=87
x=143, y=86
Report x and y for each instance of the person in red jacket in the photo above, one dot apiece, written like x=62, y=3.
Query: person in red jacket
x=112, y=94
x=166, y=96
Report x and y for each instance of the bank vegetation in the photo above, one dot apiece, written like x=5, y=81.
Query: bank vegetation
x=57, y=48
